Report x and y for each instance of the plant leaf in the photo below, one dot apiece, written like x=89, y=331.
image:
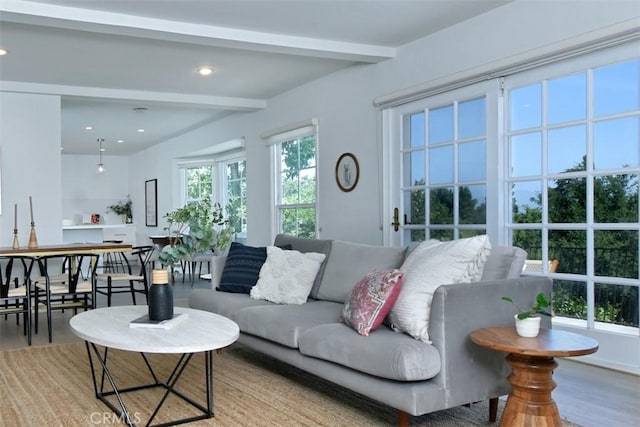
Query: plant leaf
x=541, y=300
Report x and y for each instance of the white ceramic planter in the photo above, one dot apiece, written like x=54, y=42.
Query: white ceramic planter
x=529, y=327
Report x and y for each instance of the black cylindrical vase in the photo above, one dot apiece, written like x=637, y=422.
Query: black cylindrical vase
x=160, y=296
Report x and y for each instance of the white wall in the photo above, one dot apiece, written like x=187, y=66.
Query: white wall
x=85, y=191
x=30, y=162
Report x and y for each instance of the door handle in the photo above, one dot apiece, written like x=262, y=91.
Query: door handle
x=396, y=219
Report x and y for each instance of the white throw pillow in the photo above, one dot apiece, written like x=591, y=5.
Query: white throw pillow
x=428, y=266
x=287, y=276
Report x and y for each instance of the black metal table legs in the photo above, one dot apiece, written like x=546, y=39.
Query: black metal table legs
x=99, y=377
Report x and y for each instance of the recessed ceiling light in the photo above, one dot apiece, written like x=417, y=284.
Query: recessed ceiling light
x=61, y=148
x=205, y=71
x=120, y=141
x=141, y=130
x=3, y=51
x=88, y=127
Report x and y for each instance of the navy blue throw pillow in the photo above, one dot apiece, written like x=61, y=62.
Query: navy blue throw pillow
x=242, y=268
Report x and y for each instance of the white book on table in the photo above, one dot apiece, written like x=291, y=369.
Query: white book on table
x=145, y=322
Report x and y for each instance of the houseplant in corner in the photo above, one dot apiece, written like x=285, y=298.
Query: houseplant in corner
x=528, y=320
x=123, y=209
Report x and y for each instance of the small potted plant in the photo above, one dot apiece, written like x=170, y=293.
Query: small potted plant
x=123, y=209
x=528, y=320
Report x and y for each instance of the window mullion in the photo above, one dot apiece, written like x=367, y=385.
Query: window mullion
x=456, y=171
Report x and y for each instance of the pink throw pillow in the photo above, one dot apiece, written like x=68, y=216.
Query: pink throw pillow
x=371, y=299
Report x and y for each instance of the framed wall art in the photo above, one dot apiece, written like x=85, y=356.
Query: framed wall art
x=347, y=172
x=151, y=202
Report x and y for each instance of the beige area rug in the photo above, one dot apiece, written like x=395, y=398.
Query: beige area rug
x=51, y=386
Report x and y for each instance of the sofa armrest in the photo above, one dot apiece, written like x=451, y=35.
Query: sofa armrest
x=470, y=372
x=217, y=265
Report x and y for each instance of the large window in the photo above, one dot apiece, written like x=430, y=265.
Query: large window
x=547, y=159
x=296, y=207
x=223, y=180
x=573, y=177
x=294, y=165
x=444, y=166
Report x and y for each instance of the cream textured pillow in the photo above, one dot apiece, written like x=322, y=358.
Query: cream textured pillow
x=428, y=266
x=287, y=276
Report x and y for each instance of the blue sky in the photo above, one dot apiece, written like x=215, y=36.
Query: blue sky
x=616, y=128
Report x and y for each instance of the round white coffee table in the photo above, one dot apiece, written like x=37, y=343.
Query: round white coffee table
x=198, y=331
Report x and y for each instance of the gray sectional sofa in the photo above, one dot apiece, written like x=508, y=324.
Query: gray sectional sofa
x=411, y=376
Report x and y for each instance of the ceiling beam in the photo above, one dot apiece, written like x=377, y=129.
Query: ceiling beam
x=216, y=102
x=74, y=18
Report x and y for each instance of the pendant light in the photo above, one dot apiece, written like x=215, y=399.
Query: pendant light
x=100, y=164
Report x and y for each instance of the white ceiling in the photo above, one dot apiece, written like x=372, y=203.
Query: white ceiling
x=108, y=57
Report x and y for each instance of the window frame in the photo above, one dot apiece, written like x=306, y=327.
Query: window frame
x=583, y=64
x=566, y=59
x=275, y=139
x=223, y=187
x=182, y=171
x=218, y=176
x=394, y=121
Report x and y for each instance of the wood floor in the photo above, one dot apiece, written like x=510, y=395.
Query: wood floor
x=585, y=395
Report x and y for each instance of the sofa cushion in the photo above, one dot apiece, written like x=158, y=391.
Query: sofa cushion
x=307, y=245
x=384, y=353
x=287, y=276
x=242, y=268
x=349, y=262
x=284, y=323
x=223, y=303
x=430, y=265
x=371, y=299
x=504, y=262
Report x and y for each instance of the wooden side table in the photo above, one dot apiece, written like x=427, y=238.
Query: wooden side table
x=531, y=359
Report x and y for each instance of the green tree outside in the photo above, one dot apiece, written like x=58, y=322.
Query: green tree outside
x=442, y=211
x=298, y=186
x=199, y=182
x=616, y=251
x=237, y=196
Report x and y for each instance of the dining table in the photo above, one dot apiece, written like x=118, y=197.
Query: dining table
x=62, y=250
x=66, y=249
